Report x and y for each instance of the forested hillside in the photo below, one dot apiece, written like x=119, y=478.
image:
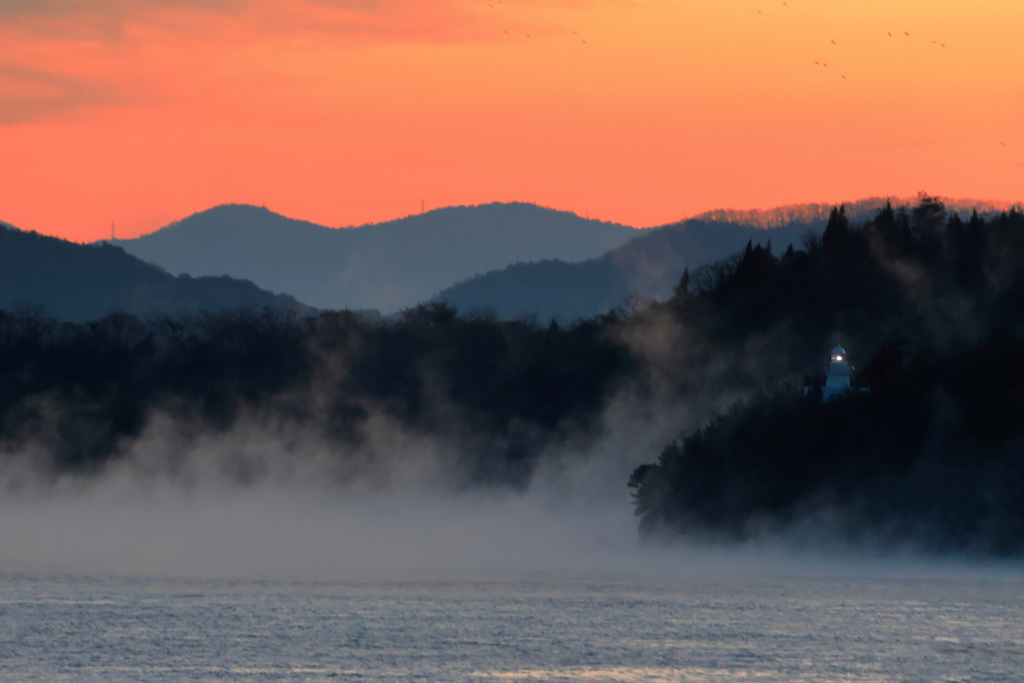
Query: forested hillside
x=497, y=393
x=933, y=456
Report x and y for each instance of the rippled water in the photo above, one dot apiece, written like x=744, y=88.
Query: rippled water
x=524, y=626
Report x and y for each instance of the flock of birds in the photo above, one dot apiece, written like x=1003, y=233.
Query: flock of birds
x=906, y=35
x=818, y=62
x=501, y=2
x=823, y=63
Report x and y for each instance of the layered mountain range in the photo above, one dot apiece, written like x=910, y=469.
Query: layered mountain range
x=650, y=265
x=384, y=266
x=511, y=260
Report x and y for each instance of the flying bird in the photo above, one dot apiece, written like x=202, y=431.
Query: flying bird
x=833, y=42
x=906, y=34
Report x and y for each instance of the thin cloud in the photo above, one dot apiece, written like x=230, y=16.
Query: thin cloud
x=60, y=55
x=108, y=18
x=430, y=20
x=15, y=8
x=101, y=20
x=30, y=93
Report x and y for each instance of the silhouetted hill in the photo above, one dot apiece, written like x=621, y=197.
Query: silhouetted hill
x=648, y=265
x=930, y=457
x=75, y=282
x=386, y=266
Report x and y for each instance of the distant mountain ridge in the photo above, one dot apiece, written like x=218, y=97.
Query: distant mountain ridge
x=77, y=283
x=858, y=211
x=385, y=266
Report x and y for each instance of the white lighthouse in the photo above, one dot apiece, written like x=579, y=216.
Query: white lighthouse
x=837, y=381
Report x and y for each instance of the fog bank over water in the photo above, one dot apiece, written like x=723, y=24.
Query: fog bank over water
x=267, y=500
x=288, y=531
x=276, y=532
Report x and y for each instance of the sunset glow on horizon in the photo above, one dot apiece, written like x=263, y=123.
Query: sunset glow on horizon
x=643, y=112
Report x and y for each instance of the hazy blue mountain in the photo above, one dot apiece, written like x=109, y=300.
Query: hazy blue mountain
x=386, y=266
x=76, y=282
x=651, y=265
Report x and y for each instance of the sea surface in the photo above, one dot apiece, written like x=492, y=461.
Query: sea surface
x=515, y=626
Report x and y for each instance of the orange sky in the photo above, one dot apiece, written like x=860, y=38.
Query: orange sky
x=639, y=111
